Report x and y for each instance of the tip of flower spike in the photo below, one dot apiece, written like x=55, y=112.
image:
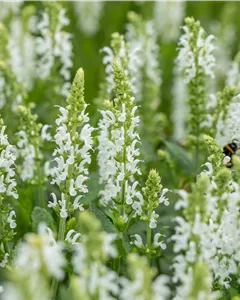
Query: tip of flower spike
x=76, y=96
x=79, y=75
x=132, y=16
x=207, y=138
x=21, y=109
x=153, y=173
x=192, y=24
x=116, y=42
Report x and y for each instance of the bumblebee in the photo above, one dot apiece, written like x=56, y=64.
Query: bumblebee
x=229, y=150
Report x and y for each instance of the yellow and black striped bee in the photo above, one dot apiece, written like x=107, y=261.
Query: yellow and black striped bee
x=229, y=150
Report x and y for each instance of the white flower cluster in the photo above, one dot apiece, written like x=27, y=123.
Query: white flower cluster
x=37, y=258
x=132, y=289
x=11, y=90
x=168, y=17
x=71, y=157
x=141, y=284
x=53, y=46
x=94, y=278
x=139, y=55
x=28, y=152
x=229, y=128
x=89, y=14
x=41, y=253
x=109, y=58
x=191, y=281
x=7, y=167
x=212, y=237
x=22, y=52
x=118, y=175
x=157, y=241
x=143, y=52
x=180, y=109
x=203, y=47
x=225, y=38
x=233, y=75
x=9, y=7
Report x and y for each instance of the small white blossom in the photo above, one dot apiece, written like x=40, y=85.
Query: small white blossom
x=153, y=221
x=156, y=242
x=137, y=240
x=72, y=237
x=162, y=198
x=10, y=219
x=46, y=135
x=4, y=262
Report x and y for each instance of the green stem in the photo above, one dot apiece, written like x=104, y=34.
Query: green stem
x=149, y=235
x=61, y=229
x=54, y=288
x=123, y=189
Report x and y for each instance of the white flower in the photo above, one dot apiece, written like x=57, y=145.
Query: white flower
x=156, y=242
x=63, y=209
x=54, y=202
x=77, y=205
x=72, y=237
x=46, y=135
x=10, y=219
x=137, y=240
x=153, y=221
x=162, y=198
x=122, y=117
x=4, y=261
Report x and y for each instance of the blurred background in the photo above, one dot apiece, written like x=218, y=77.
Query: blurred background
x=92, y=23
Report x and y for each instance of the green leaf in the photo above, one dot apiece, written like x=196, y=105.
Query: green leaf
x=41, y=215
x=181, y=156
x=107, y=225
x=120, y=248
x=93, y=189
